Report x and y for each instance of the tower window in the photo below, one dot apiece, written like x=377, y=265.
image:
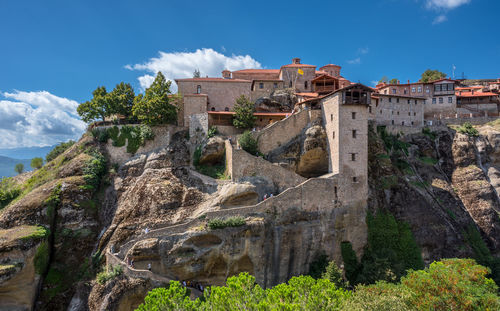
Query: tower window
x=353, y=157
x=261, y=85
x=355, y=179
x=305, y=85
x=333, y=135
x=290, y=84
x=331, y=117
x=198, y=89
x=353, y=114
x=353, y=133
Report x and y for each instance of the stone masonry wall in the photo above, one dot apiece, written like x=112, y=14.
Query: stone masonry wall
x=240, y=163
x=283, y=131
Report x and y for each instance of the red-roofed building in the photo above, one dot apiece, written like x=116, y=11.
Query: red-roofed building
x=474, y=100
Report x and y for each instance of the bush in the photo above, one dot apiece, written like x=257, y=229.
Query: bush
x=468, y=130
x=36, y=163
x=318, y=265
x=334, y=274
x=100, y=134
x=59, y=149
x=8, y=192
x=19, y=168
x=428, y=160
x=482, y=253
x=427, y=132
x=104, y=276
x=212, y=132
x=243, y=116
x=94, y=168
x=220, y=223
x=248, y=143
x=132, y=136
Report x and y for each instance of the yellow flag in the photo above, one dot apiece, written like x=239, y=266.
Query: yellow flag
x=300, y=71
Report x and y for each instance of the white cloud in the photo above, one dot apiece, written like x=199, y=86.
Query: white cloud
x=363, y=51
x=37, y=119
x=355, y=61
x=182, y=65
x=445, y=4
x=439, y=19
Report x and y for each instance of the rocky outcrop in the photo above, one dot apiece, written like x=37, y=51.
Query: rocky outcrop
x=212, y=151
x=279, y=100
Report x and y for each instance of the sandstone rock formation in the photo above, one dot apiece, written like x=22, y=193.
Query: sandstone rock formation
x=279, y=100
x=212, y=151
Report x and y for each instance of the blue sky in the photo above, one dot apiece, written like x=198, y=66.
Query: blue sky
x=54, y=53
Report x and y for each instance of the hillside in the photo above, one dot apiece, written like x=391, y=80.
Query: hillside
x=103, y=205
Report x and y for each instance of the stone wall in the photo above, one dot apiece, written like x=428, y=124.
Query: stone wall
x=240, y=164
x=283, y=131
x=193, y=104
x=198, y=127
x=459, y=121
x=398, y=111
x=266, y=90
x=163, y=134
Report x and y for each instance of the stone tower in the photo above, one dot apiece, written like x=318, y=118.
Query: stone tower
x=345, y=116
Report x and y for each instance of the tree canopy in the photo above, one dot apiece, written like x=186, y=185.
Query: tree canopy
x=432, y=75
x=196, y=73
x=19, y=168
x=121, y=99
x=36, y=163
x=99, y=107
x=155, y=107
x=384, y=79
x=244, y=109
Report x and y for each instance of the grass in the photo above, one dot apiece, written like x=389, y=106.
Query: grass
x=104, y=276
x=42, y=258
x=23, y=233
x=220, y=223
x=427, y=132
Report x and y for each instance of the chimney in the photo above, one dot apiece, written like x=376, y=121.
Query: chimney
x=408, y=81
x=296, y=60
x=398, y=81
x=226, y=74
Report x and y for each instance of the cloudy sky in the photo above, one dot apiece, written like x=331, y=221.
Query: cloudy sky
x=54, y=53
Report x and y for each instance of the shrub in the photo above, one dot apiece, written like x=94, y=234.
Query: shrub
x=212, y=132
x=39, y=233
x=36, y=163
x=427, y=132
x=8, y=192
x=318, y=265
x=58, y=149
x=468, y=130
x=381, y=296
x=220, y=223
x=94, y=168
x=482, y=253
x=334, y=274
x=428, y=160
x=248, y=143
x=243, y=116
x=19, y=168
x=100, y=134
x=104, y=276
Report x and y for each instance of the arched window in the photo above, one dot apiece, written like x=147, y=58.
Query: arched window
x=198, y=89
x=213, y=109
x=226, y=109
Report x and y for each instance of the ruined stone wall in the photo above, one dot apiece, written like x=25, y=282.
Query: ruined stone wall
x=240, y=163
x=283, y=131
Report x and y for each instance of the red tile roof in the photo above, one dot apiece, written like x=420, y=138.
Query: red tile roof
x=268, y=114
x=299, y=65
x=305, y=94
x=276, y=71
x=211, y=80
x=476, y=94
x=469, y=87
x=329, y=65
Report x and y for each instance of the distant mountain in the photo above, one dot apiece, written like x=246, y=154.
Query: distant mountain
x=26, y=152
x=7, y=166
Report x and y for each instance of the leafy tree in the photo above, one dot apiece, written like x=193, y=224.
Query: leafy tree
x=154, y=107
x=452, y=284
x=384, y=79
x=36, y=163
x=19, y=168
x=381, y=296
x=432, y=75
x=58, y=149
x=334, y=274
x=248, y=143
x=175, y=297
x=196, y=73
x=121, y=99
x=244, y=109
x=318, y=265
x=98, y=107
x=393, y=81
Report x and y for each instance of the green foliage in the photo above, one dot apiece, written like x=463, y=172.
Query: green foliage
x=432, y=75
x=197, y=155
x=392, y=143
x=8, y=191
x=482, y=253
x=468, y=130
x=98, y=107
x=217, y=171
x=452, y=284
x=94, y=168
x=212, y=132
x=244, y=110
x=220, y=223
x=318, y=265
x=334, y=274
x=196, y=73
x=121, y=99
x=41, y=260
x=174, y=297
x=388, y=182
x=427, y=132
x=104, y=276
x=59, y=149
x=420, y=184
x=393, y=81
x=100, y=134
x=381, y=296
x=155, y=106
x=390, y=251
x=39, y=233
x=248, y=143
x=19, y=168
x=428, y=160
x=36, y=163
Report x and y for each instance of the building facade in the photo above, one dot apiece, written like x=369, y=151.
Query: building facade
x=386, y=109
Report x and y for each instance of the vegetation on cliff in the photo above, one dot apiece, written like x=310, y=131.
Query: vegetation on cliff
x=450, y=284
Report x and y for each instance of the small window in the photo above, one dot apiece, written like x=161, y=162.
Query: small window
x=409, y=101
x=441, y=100
x=397, y=100
x=403, y=123
x=305, y=85
x=261, y=85
x=411, y=122
x=392, y=122
x=290, y=84
x=335, y=191
x=355, y=179
x=380, y=111
x=333, y=135
x=414, y=114
x=390, y=100
x=353, y=114
x=275, y=85
x=398, y=113
x=353, y=156
x=213, y=109
x=392, y=112
x=405, y=91
x=413, y=89
x=226, y=109
x=353, y=133
x=198, y=89
x=331, y=117
x=427, y=90
x=450, y=100
x=394, y=91
x=420, y=89
x=416, y=102
x=370, y=109
x=434, y=100
x=409, y=114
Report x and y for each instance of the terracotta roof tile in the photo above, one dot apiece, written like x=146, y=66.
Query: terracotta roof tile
x=211, y=80
x=476, y=94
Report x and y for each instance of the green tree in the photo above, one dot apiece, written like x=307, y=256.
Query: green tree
x=248, y=143
x=384, y=79
x=196, y=73
x=36, y=163
x=393, y=81
x=19, y=168
x=155, y=106
x=121, y=99
x=58, y=149
x=99, y=107
x=175, y=297
x=334, y=274
x=244, y=110
x=432, y=75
